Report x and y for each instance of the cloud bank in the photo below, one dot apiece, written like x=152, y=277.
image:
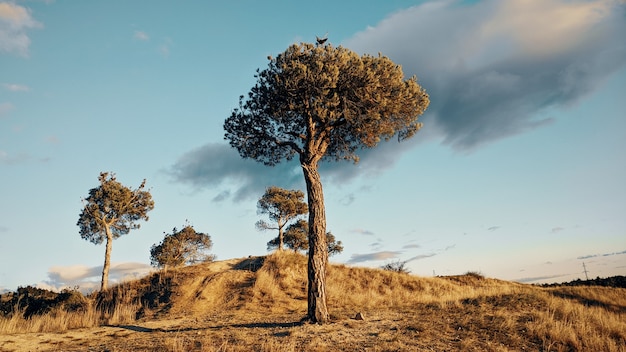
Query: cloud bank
x=218, y=166
x=527, y=280
x=140, y=35
x=600, y=255
x=12, y=87
x=5, y=107
x=491, y=67
x=88, y=278
x=15, y=21
x=492, y=70
x=376, y=256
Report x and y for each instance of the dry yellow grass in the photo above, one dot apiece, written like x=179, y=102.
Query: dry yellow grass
x=256, y=304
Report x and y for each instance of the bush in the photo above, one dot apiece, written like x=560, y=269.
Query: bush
x=36, y=301
x=397, y=267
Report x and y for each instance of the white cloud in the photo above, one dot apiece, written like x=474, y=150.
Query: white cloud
x=8, y=159
x=140, y=35
x=492, y=66
x=5, y=108
x=411, y=246
x=536, y=279
x=164, y=48
x=420, y=256
x=14, y=159
x=383, y=255
x=72, y=273
x=52, y=140
x=15, y=87
x=15, y=20
x=362, y=232
x=545, y=27
x=88, y=278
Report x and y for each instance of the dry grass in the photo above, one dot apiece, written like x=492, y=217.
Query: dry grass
x=60, y=320
x=257, y=304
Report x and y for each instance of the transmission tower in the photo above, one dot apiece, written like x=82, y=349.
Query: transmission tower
x=585, y=271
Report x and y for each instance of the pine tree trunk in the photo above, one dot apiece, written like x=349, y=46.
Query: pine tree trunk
x=281, y=225
x=107, y=259
x=318, y=250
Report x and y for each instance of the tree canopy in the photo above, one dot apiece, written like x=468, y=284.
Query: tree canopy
x=320, y=102
x=296, y=238
x=182, y=247
x=282, y=206
x=324, y=102
x=110, y=211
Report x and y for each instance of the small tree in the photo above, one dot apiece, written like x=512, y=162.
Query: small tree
x=296, y=238
x=319, y=102
x=282, y=206
x=334, y=246
x=112, y=210
x=397, y=267
x=182, y=247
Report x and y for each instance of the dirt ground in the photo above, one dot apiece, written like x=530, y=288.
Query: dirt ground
x=380, y=331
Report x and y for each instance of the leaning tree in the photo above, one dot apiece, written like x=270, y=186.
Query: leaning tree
x=112, y=210
x=282, y=206
x=320, y=102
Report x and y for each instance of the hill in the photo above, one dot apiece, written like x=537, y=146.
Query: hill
x=257, y=304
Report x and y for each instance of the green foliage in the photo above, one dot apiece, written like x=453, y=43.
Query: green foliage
x=114, y=207
x=325, y=101
x=282, y=206
x=296, y=238
x=182, y=247
x=334, y=246
x=112, y=210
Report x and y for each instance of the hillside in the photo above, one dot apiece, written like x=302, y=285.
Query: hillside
x=257, y=304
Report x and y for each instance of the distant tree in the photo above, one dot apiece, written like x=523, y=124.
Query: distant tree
x=110, y=211
x=319, y=102
x=182, y=247
x=296, y=238
x=334, y=246
x=397, y=267
x=282, y=206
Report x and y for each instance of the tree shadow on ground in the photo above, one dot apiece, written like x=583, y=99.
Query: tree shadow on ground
x=262, y=325
x=250, y=264
x=615, y=308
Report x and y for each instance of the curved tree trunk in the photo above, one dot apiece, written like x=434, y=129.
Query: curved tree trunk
x=318, y=250
x=107, y=259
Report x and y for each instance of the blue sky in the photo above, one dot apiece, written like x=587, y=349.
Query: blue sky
x=519, y=171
